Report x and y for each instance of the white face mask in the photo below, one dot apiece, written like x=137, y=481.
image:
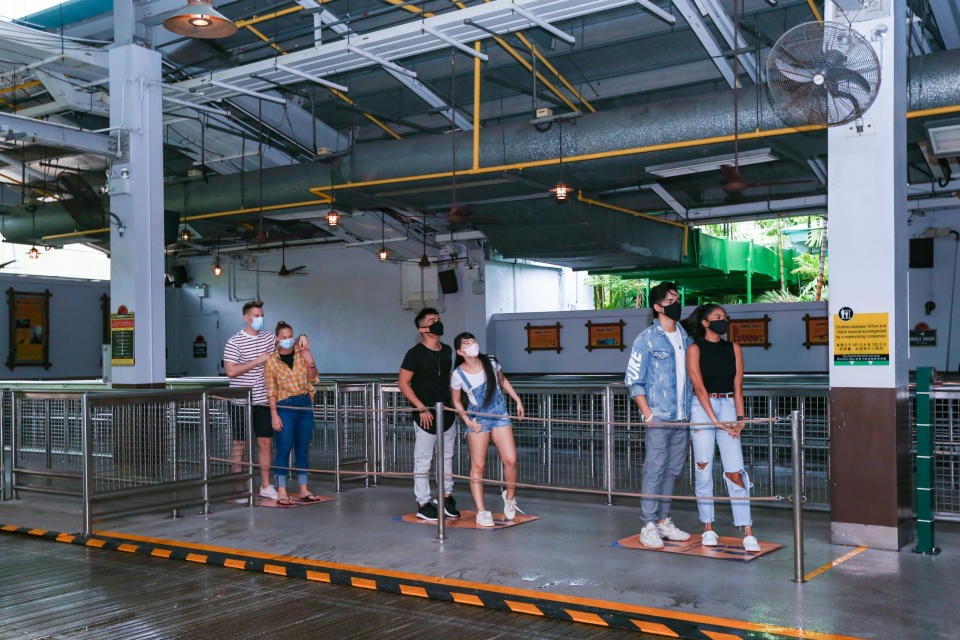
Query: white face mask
x=471, y=350
x=286, y=344
x=257, y=323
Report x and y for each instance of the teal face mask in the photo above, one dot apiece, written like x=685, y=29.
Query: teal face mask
x=257, y=323
x=286, y=344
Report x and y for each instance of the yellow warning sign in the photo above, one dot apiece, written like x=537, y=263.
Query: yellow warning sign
x=861, y=338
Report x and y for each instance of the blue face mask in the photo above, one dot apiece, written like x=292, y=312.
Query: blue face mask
x=286, y=344
x=257, y=323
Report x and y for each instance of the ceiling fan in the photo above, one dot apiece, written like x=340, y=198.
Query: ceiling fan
x=734, y=182
x=284, y=272
x=6, y=263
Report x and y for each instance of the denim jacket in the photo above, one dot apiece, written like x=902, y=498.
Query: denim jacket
x=652, y=372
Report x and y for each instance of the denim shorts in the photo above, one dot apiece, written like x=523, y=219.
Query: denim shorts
x=488, y=424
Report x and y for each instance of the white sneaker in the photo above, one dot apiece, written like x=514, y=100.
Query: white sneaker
x=750, y=544
x=649, y=536
x=668, y=530
x=484, y=519
x=269, y=492
x=709, y=539
x=239, y=501
x=510, y=508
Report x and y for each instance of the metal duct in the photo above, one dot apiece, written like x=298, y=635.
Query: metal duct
x=934, y=81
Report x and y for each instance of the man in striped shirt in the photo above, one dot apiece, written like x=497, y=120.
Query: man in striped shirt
x=244, y=355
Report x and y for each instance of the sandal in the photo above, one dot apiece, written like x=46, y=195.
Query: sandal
x=285, y=502
x=311, y=498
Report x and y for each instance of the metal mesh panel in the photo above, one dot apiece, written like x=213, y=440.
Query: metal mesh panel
x=353, y=425
x=49, y=433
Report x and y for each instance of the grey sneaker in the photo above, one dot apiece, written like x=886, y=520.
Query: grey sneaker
x=649, y=536
x=669, y=531
x=484, y=519
x=510, y=508
x=269, y=492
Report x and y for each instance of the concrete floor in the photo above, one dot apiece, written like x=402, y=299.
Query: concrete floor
x=877, y=594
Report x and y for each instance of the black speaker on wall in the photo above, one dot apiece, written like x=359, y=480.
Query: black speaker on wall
x=448, y=281
x=180, y=275
x=921, y=253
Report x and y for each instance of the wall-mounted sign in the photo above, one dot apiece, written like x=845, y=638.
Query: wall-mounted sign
x=543, y=337
x=29, y=344
x=923, y=337
x=817, y=330
x=607, y=335
x=121, y=338
x=861, y=338
x=751, y=332
x=199, y=347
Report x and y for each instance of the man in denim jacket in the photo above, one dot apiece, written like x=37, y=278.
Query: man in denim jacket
x=657, y=379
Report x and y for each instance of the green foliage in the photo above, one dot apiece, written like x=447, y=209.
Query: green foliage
x=614, y=292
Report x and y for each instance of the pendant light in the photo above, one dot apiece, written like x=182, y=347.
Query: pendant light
x=217, y=269
x=424, y=260
x=34, y=253
x=200, y=20
x=333, y=218
x=561, y=191
x=382, y=254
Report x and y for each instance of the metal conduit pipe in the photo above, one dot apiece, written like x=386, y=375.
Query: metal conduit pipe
x=934, y=82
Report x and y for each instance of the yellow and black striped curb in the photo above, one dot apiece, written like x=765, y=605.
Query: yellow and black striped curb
x=663, y=622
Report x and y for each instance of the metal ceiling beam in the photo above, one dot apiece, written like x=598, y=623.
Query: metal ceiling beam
x=735, y=40
x=460, y=120
x=692, y=16
x=59, y=136
x=947, y=14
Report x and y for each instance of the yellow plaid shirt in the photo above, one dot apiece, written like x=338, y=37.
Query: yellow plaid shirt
x=284, y=382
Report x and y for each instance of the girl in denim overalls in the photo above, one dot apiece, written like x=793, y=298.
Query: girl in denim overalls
x=481, y=380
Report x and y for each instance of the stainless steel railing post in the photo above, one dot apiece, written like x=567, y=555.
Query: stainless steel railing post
x=609, y=450
x=249, y=427
x=441, y=517
x=86, y=446
x=337, y=418
x=3, y=450
x=205, y=451
x=796, y=424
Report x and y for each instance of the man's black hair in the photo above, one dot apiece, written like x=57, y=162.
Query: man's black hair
x=660, y=292
x=426, y=311
x=253, y=304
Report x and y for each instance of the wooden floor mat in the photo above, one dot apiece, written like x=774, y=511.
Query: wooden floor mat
x=468, y=520
x=267, y=502
x=727, y=549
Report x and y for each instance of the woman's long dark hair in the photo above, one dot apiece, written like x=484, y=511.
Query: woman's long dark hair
x=694, y=322
x=485, y=359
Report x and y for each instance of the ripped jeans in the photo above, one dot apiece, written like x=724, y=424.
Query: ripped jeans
x=705, y=439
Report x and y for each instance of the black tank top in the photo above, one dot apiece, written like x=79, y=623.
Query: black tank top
x=718, y=365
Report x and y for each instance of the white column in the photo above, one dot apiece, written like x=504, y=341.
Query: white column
x=866, y=204
x=137, y=256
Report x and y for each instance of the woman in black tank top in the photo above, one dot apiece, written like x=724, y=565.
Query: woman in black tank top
x=715, y=367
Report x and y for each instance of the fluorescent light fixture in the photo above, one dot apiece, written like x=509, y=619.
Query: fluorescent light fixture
x=312, y=78
x=543, y=24
x=686, y=167
x=945, y=140
x=459, y=45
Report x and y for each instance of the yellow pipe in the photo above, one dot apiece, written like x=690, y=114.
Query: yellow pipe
x=513, y=52
x=476, y=108
x=411, y=8
x=25, y=85
x=936, y=111
x=554, y=71
x=266, y=39
x=270, y=16
x=614, y=207
x=816, y=12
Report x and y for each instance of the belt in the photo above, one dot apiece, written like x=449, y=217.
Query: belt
x=721, y=395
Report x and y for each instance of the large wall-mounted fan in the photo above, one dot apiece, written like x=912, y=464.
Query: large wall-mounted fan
x=822, y=73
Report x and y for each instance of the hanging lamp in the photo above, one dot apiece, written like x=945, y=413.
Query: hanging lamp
x=217, y=269
x=561, y=191
x=200, y=20
x=333, y=218
x=34, y=253
x=382, y=254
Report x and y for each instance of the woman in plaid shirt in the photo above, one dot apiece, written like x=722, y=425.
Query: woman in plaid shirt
x=289, y=376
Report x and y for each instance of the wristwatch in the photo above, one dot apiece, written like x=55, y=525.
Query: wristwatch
x=739, y=417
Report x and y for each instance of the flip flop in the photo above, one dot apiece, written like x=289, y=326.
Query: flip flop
x=285, y=502
x=311, y=498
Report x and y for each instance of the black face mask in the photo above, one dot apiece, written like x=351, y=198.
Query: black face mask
x=436, y=328
x=672, y=311
x=719, y=326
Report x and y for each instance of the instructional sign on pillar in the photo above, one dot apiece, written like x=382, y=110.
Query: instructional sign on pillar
x=861, y=338
x=121, y=339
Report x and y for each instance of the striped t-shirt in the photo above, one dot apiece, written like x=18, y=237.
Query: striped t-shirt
x=243, y=348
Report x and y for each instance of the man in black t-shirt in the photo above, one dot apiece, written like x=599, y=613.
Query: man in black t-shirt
x=424, y=381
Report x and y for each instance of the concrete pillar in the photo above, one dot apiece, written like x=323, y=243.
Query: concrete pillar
x=869, y=416
x=136, y=197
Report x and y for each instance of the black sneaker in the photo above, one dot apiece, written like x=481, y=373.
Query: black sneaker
x=427, y=511
x=450, y=507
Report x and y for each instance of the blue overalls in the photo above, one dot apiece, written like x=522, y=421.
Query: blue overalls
x=496, y=405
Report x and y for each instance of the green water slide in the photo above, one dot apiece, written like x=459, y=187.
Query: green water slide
x=715, y=266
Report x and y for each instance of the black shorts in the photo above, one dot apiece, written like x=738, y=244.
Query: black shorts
x=262, y=424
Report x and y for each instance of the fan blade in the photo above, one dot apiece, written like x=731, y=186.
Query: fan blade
x=731, y=173
x=836, y=76
x=835, y=91
x=6, y=263
x=296, y=269
x=751, y=185
x=791, y=72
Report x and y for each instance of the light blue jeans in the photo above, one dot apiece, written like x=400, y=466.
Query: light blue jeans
x=705, y=440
